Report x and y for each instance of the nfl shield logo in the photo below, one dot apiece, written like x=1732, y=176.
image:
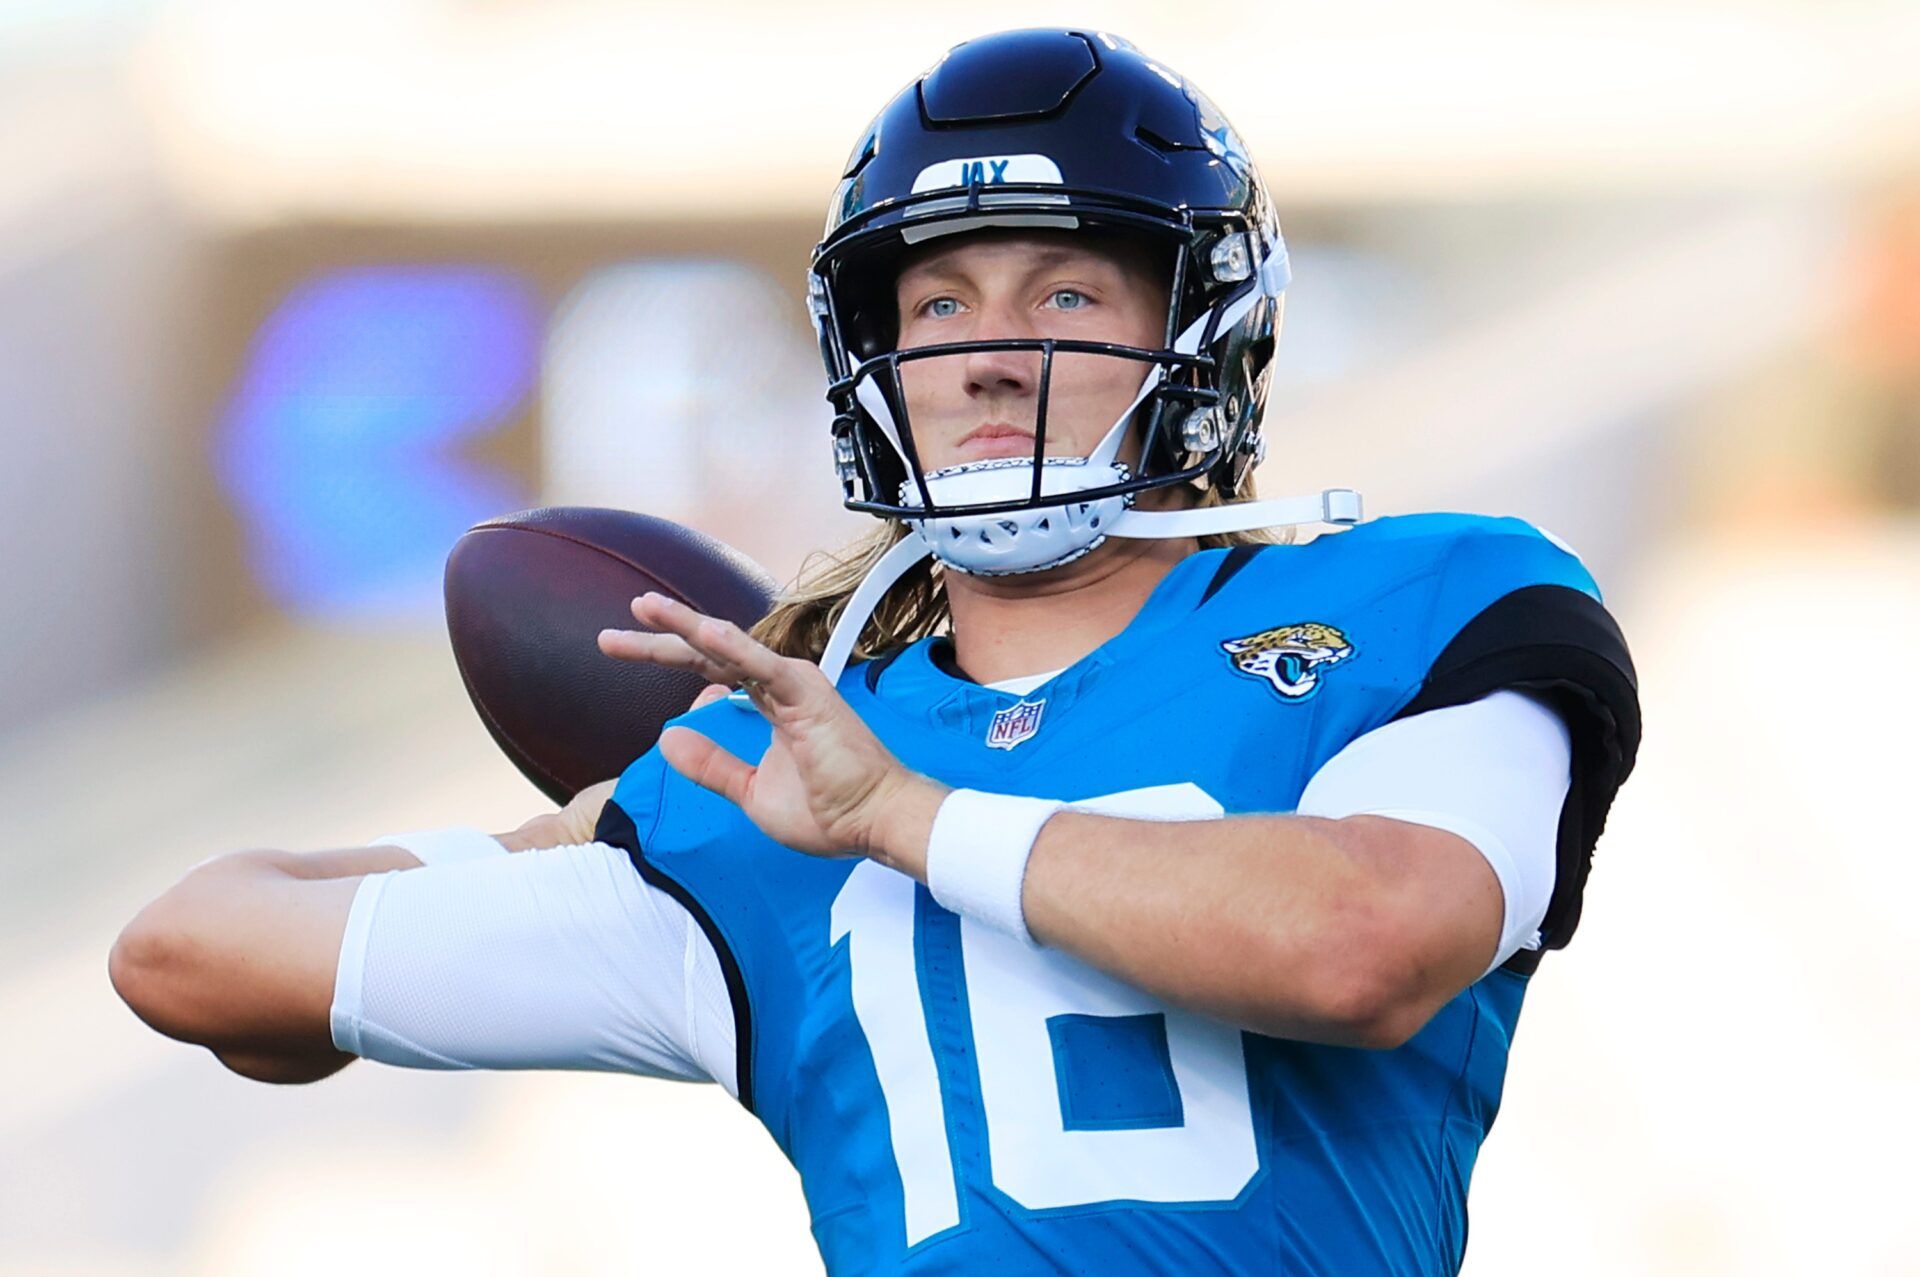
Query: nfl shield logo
x=1015, y=724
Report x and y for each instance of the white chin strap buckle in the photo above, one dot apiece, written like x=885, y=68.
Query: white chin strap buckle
x=1017, y=540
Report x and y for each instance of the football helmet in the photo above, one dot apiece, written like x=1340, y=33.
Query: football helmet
x=1061, y=129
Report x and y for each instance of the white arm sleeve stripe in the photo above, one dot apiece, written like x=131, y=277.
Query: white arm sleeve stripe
x=555, y=959
x=1494, y=771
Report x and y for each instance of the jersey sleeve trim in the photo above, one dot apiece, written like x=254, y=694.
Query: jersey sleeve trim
x=616, y=829
x=1560, y=644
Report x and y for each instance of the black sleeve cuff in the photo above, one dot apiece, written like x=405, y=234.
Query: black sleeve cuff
x=1560, y=645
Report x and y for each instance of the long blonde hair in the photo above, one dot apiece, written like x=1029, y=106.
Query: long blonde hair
x=804, y=615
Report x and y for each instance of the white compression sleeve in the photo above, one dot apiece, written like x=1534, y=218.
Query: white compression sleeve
x=1494, y=771
x=557, y=959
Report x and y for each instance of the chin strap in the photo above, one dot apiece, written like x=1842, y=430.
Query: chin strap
x=1339, y=506
x=880, y=578
x=1335, y=505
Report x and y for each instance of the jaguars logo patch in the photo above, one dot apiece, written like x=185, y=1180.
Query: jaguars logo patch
x=1290, y=658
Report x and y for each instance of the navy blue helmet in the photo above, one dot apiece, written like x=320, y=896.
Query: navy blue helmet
x=1055, y=129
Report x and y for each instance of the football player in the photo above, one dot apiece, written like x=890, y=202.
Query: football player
x=1076, y=875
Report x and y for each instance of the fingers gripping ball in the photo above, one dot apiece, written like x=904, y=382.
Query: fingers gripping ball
x=526, y=596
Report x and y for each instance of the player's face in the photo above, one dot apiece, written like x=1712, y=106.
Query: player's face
x=1027, y=284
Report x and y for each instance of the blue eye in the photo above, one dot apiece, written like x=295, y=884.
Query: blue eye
x=942, y=308
x=1069, y=298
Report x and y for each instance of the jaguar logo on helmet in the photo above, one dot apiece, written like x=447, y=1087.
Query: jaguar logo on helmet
x=1218, y=135
x=1290, y=658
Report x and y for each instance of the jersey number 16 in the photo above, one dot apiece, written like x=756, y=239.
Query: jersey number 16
x=1027, y=1007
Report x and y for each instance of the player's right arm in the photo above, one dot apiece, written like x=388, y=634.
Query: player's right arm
x=288, y=966
x=239, y=957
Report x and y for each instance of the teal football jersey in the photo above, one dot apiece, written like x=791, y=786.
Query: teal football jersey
x=956, y=1102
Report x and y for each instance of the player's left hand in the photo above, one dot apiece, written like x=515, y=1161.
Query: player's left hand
x=825, y=784
x=572, y=825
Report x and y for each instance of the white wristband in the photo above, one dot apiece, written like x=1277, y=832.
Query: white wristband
x=444, y=846
x=977, y=855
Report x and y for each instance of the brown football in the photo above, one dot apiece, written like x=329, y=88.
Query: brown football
x=528, y=594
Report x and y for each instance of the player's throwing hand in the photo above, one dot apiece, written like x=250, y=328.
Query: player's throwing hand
x=826, y=784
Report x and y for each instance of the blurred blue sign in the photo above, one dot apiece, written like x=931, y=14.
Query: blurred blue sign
x=341, y=448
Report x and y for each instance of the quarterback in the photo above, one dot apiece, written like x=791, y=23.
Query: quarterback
x=1086, y=872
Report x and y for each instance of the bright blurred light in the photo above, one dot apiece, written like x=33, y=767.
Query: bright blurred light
x=459, y=111
x=673, y=384
x=691, y=389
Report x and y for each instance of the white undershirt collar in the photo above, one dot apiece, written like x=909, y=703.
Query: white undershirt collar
x=1024, y=683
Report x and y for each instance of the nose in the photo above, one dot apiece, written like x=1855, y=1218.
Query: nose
x=1010, y=372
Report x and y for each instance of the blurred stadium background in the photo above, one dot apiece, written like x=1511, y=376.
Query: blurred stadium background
x=291, y=294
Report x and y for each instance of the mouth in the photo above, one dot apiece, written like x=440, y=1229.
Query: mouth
x=995, y=439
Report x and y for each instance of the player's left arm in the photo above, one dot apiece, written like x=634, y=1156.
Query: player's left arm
x=1422, y=855
x=1340, y=923
x=1351, y=931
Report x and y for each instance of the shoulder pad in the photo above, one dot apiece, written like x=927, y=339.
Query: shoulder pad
x=1473, y=549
